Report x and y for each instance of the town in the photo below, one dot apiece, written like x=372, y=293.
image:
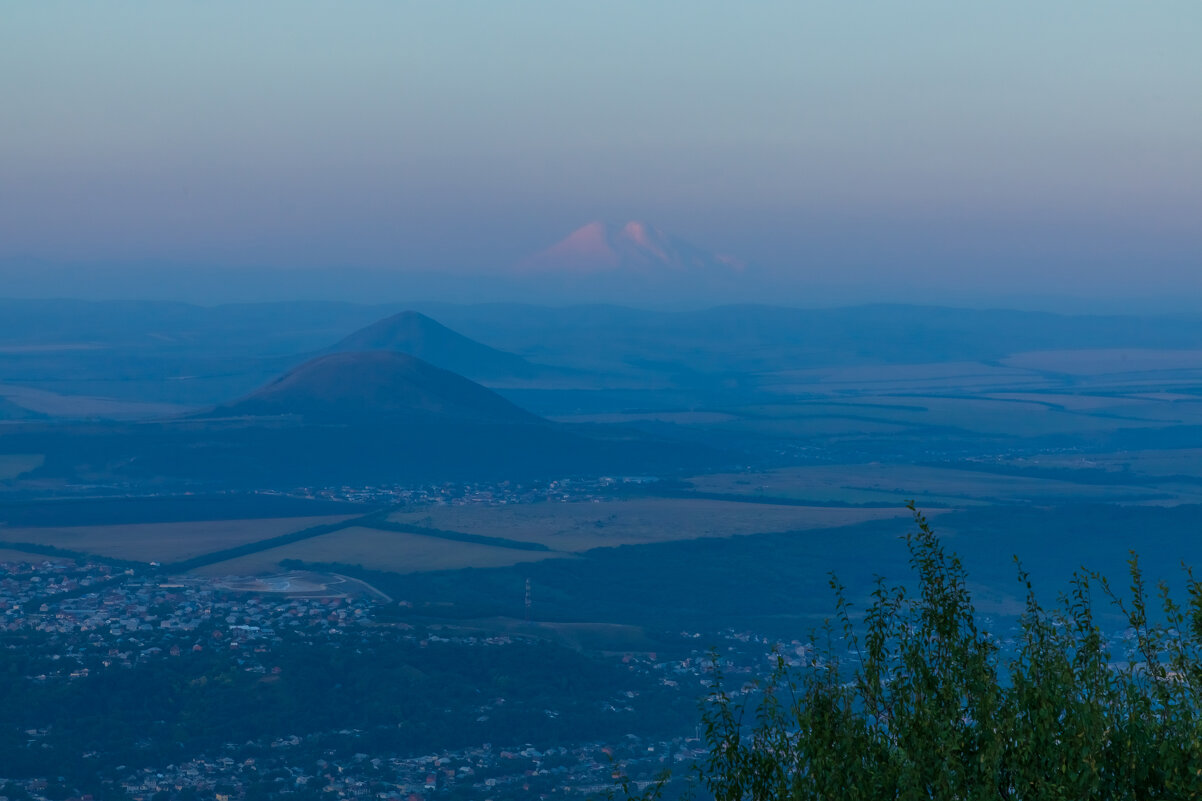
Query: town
x=480, y=493
x=71, y=623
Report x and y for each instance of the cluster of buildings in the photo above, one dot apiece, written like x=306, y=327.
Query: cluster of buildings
x=30, y=586
x=480, y=494
x=91, y=616
x=88, y=617
x=283, y=767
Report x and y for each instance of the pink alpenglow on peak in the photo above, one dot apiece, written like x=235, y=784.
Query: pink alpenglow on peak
x=633, y=247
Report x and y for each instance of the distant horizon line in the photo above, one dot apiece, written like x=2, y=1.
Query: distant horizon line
x=1061, y=305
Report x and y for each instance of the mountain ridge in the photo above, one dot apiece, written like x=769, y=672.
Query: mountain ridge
x=425, y=338
x=356, y=388
x=634, y=246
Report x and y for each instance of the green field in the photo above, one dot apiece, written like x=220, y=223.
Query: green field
x=680, y=418
x=876, y=483
x=1142, y=463
x=10, y=555
x=563, y=529
x=162, y=542
x=576, y=527
x=1107, y=361
x=995, y=414
x=818, y=426
x=13, y=465
x=55, y=404
x=904, y=378
x=389, y=551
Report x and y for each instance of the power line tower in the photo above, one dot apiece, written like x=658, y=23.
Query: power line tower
x=527, y=600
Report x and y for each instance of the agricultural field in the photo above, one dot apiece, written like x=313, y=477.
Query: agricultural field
x=10, y=555
x=1143, y=463
x=997, y=414
x=1097, y=403
x=806, y=426
x=1052, y=370
x=54, y=404
x=1018, y=418
x=1089, y=395
x=917, y=378
x=389, y=551
x=889, y=483
x=1108, y=361
x=13, y=465
x=695, y=418
x=582, y=526
x=162, y=542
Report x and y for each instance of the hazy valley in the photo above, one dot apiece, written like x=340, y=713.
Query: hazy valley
x=618, y=489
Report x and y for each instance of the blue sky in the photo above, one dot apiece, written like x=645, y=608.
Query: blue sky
x=1028, y=145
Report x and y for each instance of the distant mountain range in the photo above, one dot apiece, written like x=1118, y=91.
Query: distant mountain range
x=400, y=396
x=350, y=417
x=562, y=273
x=633, y=247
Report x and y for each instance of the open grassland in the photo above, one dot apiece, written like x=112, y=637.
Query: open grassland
x=162, y=542
x=389, y=551
x=54, y=404
x=582, y=526
x=1103, y=361
x=1030, y=395
x=1097, y=402
x=1155, y=465
x=1186, y=461
x=1012, y=418
x=928, y=485
x=1020, y=372
x=809, y=426
x=890, y=378
x=15, y=464
x=1171, y=408
x=1026, y=414
x=10, y=555
x=687, y=418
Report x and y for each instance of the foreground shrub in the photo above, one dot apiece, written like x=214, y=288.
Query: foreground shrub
x=916, y=701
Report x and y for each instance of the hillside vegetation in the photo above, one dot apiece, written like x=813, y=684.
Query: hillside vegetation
x=917, y=700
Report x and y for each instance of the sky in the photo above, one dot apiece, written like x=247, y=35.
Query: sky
x=1019, y=148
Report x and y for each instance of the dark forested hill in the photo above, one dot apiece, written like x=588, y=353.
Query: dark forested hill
x=418, y=335
x=380, y=386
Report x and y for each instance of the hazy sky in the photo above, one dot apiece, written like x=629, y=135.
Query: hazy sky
x=1026, y=145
